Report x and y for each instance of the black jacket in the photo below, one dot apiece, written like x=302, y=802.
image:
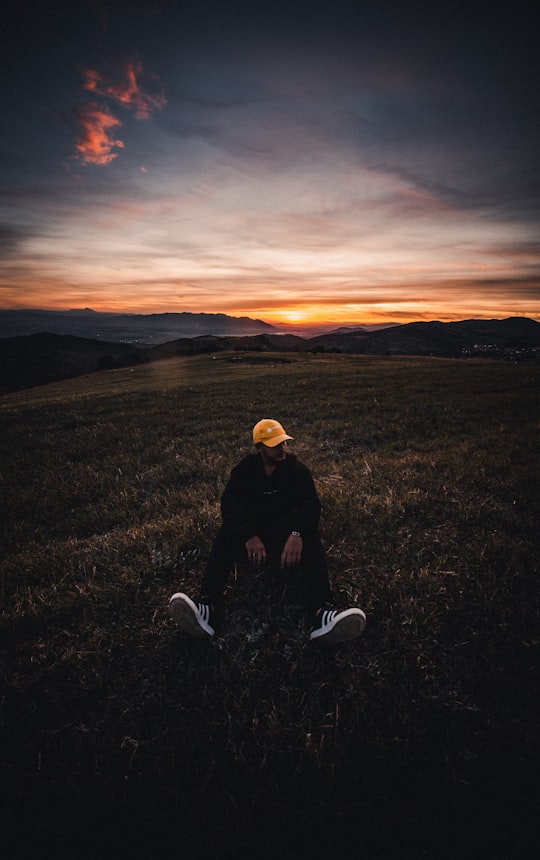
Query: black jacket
x=253, y=503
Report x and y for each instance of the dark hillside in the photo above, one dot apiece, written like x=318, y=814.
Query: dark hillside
x=450, y=340
x=347, y=342
x=41, y=358
x=455, y=339
x=34, y=360
x=500, y=338
x=209, y=343
x=432, y=338
x=507, y=332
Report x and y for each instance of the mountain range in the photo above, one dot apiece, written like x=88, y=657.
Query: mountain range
x=35, y=359
x=143, y=329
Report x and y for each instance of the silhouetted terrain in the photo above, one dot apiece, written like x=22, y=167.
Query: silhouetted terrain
x=37, y=359
x=499, y=338
x=143, y=329
x=41, y=358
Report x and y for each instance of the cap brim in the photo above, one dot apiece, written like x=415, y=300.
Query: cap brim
x=277, y=440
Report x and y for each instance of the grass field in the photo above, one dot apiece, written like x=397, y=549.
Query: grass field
x=121, y=737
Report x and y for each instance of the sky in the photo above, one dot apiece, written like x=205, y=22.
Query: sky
x=296, y=162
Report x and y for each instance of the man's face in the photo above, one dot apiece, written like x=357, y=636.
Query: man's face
x=273, y=455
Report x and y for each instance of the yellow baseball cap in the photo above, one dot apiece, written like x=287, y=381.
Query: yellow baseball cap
x=269, y=432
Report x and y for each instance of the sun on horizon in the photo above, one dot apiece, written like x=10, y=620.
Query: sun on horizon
x=292, y=317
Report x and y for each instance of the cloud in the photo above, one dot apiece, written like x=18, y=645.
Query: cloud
x=11, y=239
x=96, y=142
x=126, y=91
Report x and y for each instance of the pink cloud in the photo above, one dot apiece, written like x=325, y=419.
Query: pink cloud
x=126, y=90
x=96, y=142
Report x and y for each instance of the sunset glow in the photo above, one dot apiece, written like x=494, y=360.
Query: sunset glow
x=304, y=175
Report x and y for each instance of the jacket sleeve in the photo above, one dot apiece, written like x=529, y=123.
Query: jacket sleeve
x=237, y=501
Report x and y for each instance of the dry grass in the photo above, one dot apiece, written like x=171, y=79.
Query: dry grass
x=420, y=740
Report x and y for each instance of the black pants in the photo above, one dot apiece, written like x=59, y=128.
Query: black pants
x=228, y=548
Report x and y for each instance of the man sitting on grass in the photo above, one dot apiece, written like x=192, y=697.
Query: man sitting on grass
x=270, y=510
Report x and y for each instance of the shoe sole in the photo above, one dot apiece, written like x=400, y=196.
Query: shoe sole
x=184, y=612
x=348, y=625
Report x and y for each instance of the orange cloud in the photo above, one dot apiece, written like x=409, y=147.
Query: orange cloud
x=127, y=91
x=95, y=143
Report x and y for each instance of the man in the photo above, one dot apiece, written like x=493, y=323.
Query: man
x=270, y=511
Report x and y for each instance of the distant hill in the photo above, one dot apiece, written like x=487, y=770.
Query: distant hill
x=498, y=338
x=256, y=343
x=469, y=337
x=40, y=358
x=347, y=329
x=142, y=329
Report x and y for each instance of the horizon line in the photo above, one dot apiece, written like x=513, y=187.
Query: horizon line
x=283, y=323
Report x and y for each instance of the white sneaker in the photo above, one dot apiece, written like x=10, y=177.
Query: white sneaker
x=334, y=626
x=191, y=617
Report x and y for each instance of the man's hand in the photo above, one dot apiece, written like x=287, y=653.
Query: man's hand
x=256, y=550
x=292, y=551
